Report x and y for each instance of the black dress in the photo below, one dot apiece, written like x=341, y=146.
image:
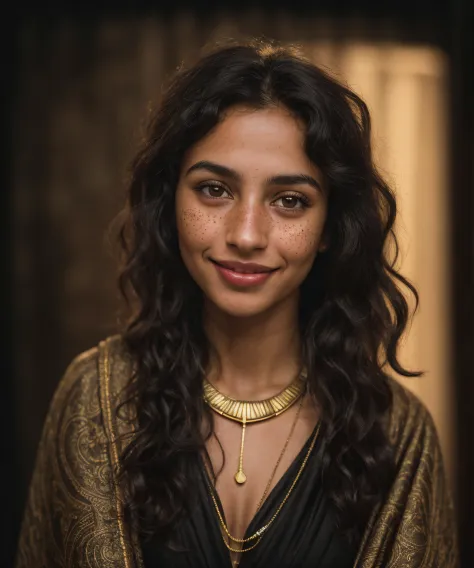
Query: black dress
x=302, y=536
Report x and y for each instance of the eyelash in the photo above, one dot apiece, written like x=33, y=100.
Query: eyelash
x=202, y=187
x=303, y=200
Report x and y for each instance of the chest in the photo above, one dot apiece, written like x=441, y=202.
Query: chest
x=269, y=449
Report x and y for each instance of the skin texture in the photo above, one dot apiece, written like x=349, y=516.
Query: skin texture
x=254, y=331
x=246, y=219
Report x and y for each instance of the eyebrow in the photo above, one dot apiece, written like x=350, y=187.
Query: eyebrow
x=294, y=179
x=280, y=179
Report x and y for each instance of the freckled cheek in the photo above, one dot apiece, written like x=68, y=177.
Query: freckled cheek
x=197, y=227
x=299, y=242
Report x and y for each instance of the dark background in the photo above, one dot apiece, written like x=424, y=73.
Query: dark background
x=445, y=24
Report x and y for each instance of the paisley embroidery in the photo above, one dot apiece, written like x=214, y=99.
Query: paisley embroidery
x=70, y=518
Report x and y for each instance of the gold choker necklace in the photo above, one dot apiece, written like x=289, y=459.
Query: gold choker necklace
x=248, y=411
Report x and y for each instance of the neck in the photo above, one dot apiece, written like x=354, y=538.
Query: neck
x=253, y=358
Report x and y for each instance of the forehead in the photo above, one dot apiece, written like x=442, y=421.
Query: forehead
x=255, y=140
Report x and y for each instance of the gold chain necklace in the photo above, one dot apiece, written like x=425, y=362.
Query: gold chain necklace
x=248, y=411
x=267, y=487
x=259, y=533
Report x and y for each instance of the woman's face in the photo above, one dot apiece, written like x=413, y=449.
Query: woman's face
x=250, y=210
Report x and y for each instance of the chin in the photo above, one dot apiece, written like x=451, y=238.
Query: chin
x=250, y=305
x=241, y=306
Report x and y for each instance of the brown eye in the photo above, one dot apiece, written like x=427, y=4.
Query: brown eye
x=214, y=191
x=289, y=202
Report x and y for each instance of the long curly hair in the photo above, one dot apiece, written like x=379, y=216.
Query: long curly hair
x=352, y=309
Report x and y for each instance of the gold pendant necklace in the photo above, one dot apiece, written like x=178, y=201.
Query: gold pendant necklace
x=248, y=411
x=259, y=533
x=267, y=488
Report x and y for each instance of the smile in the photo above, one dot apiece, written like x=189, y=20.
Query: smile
x=243, y=274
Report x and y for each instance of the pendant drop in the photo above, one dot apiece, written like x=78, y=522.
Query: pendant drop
x=240, y=477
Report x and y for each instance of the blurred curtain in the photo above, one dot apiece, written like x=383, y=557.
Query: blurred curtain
x=82, y=94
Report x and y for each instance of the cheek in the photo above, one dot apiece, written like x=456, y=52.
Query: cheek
x=196, y=227
x=299, y=242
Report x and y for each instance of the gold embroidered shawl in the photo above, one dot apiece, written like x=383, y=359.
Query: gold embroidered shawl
x=73, y=513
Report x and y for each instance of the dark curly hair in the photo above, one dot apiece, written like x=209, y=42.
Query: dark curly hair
x=352, y=311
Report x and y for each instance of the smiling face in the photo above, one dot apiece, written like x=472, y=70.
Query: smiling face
x=250, y=210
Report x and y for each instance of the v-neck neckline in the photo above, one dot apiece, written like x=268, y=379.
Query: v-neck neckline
x=296, y=462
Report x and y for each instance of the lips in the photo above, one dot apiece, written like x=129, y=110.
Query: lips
x=244, y=267
x=243, y=274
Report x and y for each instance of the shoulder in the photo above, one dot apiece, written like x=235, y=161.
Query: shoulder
x=80, y=388
x=74, y=475
x=410, y=423
x=85, y=405
x=414, y=524
x=85, y=368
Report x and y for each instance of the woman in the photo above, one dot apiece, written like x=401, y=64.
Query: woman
x=246, y=415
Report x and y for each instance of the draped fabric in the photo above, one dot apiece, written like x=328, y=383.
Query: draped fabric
x=302, y=536
x=74, y=515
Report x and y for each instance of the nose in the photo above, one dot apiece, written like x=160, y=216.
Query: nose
x=247, y=227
